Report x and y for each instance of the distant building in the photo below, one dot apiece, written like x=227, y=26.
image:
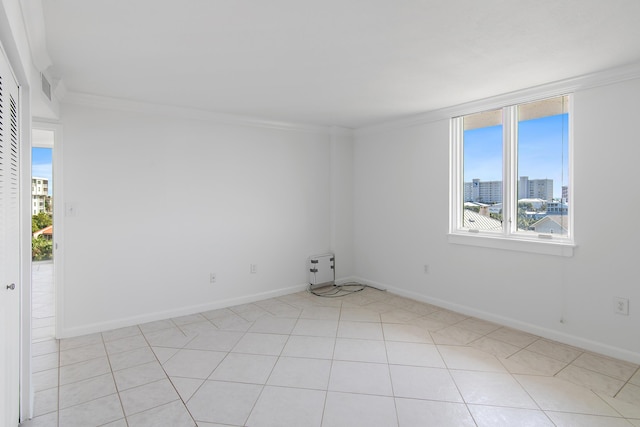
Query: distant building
x=565, y=193
x=40, y=200
x=491, y=191
x=557, y=208
x=536, y=204
x=535, y=188
x=483, y=191
x=552, y=224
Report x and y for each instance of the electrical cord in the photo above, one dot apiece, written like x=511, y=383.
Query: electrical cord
x=342, y=290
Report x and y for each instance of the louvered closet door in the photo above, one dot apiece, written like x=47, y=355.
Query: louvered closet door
x=9, y=247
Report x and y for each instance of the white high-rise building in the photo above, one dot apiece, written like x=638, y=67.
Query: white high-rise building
x=39, y=195
x=491, y=191
x=535, y=188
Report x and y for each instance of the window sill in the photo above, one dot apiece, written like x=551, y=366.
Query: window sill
x=545, y=247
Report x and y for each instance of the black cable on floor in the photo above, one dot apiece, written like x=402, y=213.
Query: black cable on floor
x=341, y=290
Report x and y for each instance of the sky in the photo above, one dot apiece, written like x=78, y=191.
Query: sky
x=542, y=151
x=41, y=164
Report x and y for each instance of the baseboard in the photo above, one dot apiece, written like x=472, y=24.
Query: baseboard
x=563, y=337
x=183, y=311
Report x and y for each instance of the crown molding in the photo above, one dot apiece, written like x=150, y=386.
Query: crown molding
x=119, y=104
x=547, y=90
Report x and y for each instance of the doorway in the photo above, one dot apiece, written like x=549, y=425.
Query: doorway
x=46, y=272
x=42, y=272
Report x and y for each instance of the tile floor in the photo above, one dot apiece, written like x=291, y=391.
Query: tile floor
x=368, y=359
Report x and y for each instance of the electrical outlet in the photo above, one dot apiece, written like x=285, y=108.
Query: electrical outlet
x=253, y=268
x=621, y=306
x=212, y=277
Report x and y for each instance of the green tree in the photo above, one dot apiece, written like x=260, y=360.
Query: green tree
x=40, y=221
x=41, y=249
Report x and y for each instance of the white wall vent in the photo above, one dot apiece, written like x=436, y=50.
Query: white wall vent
x=321, y=270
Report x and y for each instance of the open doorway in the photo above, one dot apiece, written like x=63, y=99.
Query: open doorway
x=42, y=242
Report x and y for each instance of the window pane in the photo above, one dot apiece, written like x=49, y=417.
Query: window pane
x=482, y=168
x=543, y=166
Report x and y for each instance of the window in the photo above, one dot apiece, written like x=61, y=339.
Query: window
x=510, y=177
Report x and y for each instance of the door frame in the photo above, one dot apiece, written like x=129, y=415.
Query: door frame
x=58, y=216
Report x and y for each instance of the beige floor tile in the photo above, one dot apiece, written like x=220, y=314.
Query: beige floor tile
x=131, y=358
x=301, y=373
x=380, y=411
x=555, y=350
x=142, y=398
x=316, y=328
x=139, y=375
x=321, y=313
x=84, y=370
x=590, y=379
x=80, y=354
x=607, y=366
x=406, y=333
x=244, y=368
x=224, y=402
x=186, y=387
x=86, y=390
x=416, y=382
x=478, y=326
x=536, y=363
x=359, y=314
x=120, y=333
x=278, y=406
x=193, y=363
x=414, y=412
x=45, y=401
x=360, y=330
x=314, y=347
x=630, y=393
x=454, y=335
x=492, y=388
x=215, y=340
x=267, y=344
x=555, y=394
x=414, y=354
x=448, y=317
x=469, y=358
x=172, y=414
x=360, y=350
x=493, y=416
x=273, y=325
x=360, y=377
x=93, y=413
x=513, y=337
x=495, y=347
x=562, y=419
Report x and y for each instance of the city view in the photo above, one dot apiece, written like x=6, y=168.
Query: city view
x=41, y=204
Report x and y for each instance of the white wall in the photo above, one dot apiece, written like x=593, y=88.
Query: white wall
x=161, y=202
x=401, y=220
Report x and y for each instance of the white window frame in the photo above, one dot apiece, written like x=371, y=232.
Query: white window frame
x=509, y=238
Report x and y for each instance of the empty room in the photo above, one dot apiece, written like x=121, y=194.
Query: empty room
x=321, y=213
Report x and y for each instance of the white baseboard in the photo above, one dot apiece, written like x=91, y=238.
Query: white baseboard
x=563, y=337
x=183, y=311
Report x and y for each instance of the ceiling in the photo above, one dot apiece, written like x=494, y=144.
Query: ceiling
x=348, y=63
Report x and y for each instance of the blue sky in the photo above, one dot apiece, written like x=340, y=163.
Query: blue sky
x=41, y=164
x=542, y=151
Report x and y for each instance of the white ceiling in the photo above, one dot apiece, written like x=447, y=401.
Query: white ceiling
x=347, y=63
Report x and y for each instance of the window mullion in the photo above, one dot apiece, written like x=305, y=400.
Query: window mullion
x=510, y=170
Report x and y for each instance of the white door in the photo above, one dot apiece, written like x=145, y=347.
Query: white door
x=9, y=248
